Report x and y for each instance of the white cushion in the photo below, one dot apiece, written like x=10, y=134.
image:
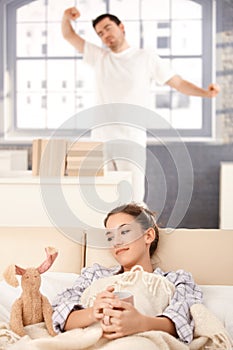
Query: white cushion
x=53, y=283
x=219, y=300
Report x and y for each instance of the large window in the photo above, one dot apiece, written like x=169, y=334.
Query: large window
x=45, y=79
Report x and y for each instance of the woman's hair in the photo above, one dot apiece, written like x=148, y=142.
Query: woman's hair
x=143, y=216
x=106, y=15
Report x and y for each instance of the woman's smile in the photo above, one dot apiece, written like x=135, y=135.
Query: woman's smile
x=120, y=250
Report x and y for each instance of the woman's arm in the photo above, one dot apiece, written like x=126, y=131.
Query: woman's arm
x=186, y=294
x=69, y=299
x=160, y=324
x=79, y=319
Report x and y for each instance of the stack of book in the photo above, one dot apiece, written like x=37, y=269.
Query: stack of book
x=85, y=159
x=58, y=157
x=49, y=157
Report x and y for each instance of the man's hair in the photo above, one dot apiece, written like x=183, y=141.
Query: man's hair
x=106, y=15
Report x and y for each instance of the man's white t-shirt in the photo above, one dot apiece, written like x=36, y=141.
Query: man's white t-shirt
x=125, y=77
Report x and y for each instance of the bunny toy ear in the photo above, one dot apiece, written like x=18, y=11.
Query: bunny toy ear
x=51, y=256
x=19, y=270
x=10, y=274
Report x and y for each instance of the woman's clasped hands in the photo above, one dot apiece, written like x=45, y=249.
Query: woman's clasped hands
x=118, y=318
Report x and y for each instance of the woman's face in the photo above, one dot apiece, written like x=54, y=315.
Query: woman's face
x=127, y=240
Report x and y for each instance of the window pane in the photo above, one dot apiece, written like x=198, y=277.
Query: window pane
x=186, y=38
x=186, y=9
x=132, y=33
x=186, y=112
x=90, y=9
x=85, y=30
x=61, y=75
x=160, y=40
x=125, y=9
x=190, y=69
x=164, y=114
x=31, y=76
x=57, y=45
x=55, y=9
x=159, y=9
x=61, y=106
x=84, y=77
x=31, y=110
x=161, y=103
x=31, y=40
x=84, y=100
x=32, y=12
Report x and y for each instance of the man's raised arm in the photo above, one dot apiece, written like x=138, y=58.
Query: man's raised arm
x=68, y=32
x=190, y=89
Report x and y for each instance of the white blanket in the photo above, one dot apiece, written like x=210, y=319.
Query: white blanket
x=152, y=294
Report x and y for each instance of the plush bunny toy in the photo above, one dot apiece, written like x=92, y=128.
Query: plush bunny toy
x=32, y=307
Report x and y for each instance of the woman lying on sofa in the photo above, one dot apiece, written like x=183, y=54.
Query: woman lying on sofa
x=133, y=235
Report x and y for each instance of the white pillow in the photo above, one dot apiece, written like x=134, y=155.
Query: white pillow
x=53, y=283
x=8, y=294
x=219, y=300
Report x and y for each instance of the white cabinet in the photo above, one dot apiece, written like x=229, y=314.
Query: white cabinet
x=226, y=195
x=62, y=202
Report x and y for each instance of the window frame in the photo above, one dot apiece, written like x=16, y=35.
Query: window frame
x=8, y=128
